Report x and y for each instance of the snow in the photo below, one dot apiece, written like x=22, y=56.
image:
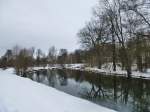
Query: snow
x=107, y=69
x=19, y=94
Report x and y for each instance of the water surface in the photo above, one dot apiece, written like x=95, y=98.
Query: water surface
x=118, y=93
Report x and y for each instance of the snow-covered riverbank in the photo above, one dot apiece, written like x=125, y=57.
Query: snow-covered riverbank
x=106, y=69
x=19, y=94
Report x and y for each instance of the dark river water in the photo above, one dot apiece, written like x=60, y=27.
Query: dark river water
x=118, y=93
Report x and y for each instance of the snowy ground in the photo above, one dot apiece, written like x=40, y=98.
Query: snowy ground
x=106, y=69
x=19, y=94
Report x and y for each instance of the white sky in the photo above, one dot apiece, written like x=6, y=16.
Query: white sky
x=43, y=23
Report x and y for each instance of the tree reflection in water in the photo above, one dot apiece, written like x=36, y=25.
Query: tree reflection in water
x=62, y=77
x=120, y=93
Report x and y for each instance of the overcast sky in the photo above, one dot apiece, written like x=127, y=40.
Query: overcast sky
x=43, y=23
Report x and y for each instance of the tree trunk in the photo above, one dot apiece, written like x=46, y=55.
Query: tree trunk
x=99, y=64
x=99, y=57
x=114, y=51
x=128, y=63
x=139, y=63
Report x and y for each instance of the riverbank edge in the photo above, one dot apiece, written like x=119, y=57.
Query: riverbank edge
x=103, y=71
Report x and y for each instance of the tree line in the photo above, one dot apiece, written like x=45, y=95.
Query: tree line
x=23, y=58
x=119, y=33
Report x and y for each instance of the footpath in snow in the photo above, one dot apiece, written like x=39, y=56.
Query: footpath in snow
x=19, y=94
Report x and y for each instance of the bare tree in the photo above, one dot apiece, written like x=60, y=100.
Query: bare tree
x=39, y=55
x=52, y=55
x=22, y=61
x=94, y=36
x=62, y=58
x=140, y=8
x=116, y=14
